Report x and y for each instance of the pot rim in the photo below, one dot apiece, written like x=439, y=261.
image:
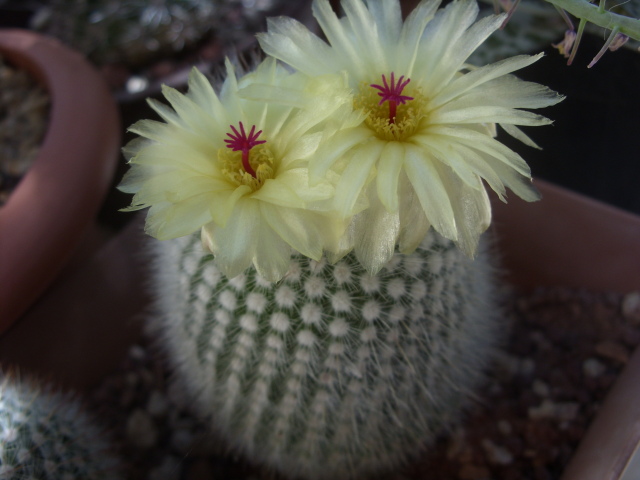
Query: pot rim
x=48, y=213
x=567, y=239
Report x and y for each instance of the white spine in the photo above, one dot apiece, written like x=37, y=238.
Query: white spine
x=331, y=372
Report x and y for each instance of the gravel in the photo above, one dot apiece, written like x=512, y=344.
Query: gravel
x=565, y=350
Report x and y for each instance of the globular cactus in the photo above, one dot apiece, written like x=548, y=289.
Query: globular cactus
x=132, y=32
x=330, y=373
x=46, y=435
x=138, y=32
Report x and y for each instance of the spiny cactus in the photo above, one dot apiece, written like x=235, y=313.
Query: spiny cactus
x=45, y=435
x=330, y=372
x=137, y=32
x=131, y=32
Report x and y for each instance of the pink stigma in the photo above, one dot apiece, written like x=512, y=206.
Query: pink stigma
x=392, y=94
x=240, y=142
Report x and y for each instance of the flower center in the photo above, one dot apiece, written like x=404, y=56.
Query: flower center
x=390, y=114
x=249, y=162
x=392, y=94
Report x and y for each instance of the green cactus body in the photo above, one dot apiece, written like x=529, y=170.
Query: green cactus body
x=47, y=436
x=330, y=372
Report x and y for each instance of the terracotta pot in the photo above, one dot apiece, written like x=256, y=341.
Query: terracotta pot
x=571, y=240
x=63, y=289
x=51, y=210
x=82, y=326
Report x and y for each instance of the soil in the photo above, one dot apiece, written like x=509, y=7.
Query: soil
x=565, y=350
x=24, y=112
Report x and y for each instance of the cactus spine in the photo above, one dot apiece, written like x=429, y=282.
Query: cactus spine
x=331, y=372
x=45, y=435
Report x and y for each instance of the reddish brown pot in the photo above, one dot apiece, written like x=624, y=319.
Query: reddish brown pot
x=571, y=240
x=50, y=211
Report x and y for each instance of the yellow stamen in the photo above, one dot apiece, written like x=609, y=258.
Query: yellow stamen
x=407, y=117
x=260, y=159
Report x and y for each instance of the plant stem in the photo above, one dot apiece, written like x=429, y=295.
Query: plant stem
x=592, y=13
x=613, y=34
x=574, y=50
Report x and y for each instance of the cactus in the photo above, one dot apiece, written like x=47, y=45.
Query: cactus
x=138, y=32
x=330, y=372
x=45, y=435
x=131, y=32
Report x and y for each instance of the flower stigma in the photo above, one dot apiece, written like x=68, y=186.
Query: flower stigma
x=240, y=142
x=392, y=94
x=253, y=167
x=401, y=118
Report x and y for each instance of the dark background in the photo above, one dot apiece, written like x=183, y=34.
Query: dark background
x=594, y=145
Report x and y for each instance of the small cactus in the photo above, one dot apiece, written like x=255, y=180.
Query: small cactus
x=45, y=435
x=331, y=372
x=130, y=32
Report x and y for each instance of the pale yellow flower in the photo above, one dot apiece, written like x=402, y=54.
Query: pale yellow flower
x=427, y=143
x=236, y=167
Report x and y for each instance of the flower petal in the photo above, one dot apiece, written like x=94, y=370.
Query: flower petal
x=202, y=94
x=472, y=211
x=375, y=234
x=179, y=219
x=413, y=222
x=279, y=94
x=169, y=135
x=441, y=35
x=446, y=151
x=224, y=203
x=276, y=192
x=488, y=114
x=365, y=33
x=334, y=149
x=358, y=172
x=229, y=93
x=389, y=168
x=476, y=163
x=189, y=112
x=290, y=41
x=388, y=19
x=460, y=50
x=412, y=30
x=340, y=40
x=169, y=186
x=272, y=255
x=519, y=184
x=482, y=75
x=201, y=161
x=518, y=134
x=301, y=229
x=426, y=182
x=297, y=180
x=507, y=91
x=234, y=246
x=300, y=149
x=488, y=145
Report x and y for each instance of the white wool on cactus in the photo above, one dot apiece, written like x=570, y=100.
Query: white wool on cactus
x=46, y=434
x=332, y=372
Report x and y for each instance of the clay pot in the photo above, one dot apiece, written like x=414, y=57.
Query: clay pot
x=571, y=240
x=48, y=214
x=61, y=290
